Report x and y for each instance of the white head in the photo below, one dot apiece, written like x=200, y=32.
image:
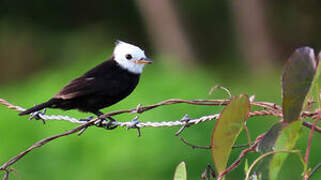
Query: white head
x=130, y=57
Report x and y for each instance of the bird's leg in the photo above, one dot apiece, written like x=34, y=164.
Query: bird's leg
x=100, y=121
x=110, y=124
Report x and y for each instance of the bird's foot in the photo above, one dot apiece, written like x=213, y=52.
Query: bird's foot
x=109, y=124
x=37, y=115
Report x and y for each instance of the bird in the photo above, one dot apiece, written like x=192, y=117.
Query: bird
x=102, y=86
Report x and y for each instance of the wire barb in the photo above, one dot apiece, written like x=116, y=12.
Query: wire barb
x=186, y=120
x=273, y=110
x=133, y=125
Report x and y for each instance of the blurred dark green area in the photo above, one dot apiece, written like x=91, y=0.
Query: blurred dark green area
x=45, y=44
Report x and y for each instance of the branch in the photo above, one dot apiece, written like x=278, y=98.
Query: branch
x=308, y=149
x=194, y=146
x=310, y=126
x=252, y=148
x=209, y=146
x=43, y=142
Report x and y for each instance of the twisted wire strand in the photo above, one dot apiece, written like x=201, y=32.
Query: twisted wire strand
x=121, y=124
x=139, y=124
x=268, y=109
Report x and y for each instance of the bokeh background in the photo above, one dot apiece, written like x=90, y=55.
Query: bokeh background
x=241, y=45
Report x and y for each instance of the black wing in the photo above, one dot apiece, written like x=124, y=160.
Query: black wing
x=92, y=82
x=77, y=87
x=107, y=79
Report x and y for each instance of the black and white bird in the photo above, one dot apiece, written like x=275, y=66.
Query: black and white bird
x=103, y=85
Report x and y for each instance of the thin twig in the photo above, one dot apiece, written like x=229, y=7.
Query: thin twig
x=209, y=146
x=220, y=87
x=194, y=146
x=249, y=139
x=310, y=125
x=252, y=148
x=308, y=149
x=45, y=141
x=315, y=169
x=240, y=146
x=6, y=174
x=237, y=162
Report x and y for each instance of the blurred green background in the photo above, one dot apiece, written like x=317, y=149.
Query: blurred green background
x=240, y=45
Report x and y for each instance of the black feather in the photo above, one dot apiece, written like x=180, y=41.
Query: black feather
x=102, y=86
x=39, y=107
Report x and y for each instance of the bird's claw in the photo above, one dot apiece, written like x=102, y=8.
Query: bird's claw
x=102, y=122
x=109, y=124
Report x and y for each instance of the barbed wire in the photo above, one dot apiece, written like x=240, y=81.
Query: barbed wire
x=40, y=115
x=186, y=121
x=268, y=109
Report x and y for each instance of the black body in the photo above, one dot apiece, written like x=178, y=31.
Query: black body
x=102, y=86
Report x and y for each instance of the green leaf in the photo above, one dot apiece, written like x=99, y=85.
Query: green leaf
x=286, y=141
x=269, y=139
x=314, y=93
x=280, y=138
x=227, y=129
x=267, y=145
x=262, y=158
x=246, y=166
x=296, y=81
x=298, y=75
x=180, y=172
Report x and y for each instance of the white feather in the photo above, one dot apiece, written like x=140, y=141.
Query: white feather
x=122, y=49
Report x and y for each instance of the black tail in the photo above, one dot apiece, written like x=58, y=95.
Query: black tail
x=38, y=107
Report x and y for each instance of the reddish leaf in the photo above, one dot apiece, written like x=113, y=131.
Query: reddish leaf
x=296, y=81
x=227, y=129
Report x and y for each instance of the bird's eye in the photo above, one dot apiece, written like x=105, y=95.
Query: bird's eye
x=128, y=56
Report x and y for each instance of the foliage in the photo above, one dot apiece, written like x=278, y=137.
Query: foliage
x=227, y=129
x=298, y=77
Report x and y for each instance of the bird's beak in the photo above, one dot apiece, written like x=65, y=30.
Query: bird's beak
x=144, y=61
